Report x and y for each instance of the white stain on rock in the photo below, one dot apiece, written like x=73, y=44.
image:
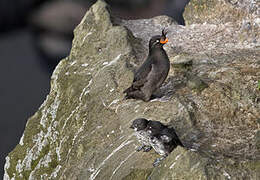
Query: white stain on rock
x=7, y=165
x=52, y=110
x=21, y=140
x=41, y=139
x=113, y=61
x=84, y=65
x=97, y=170
x=121, y=163
x=114, y=102
x=55, y=172
x=86, y=37
x=173, y=164
x=111, y=90
x=44, y=162
x=74, y=62
x=226, y=174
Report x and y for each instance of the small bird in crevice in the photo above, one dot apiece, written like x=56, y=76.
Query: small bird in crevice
x=141, y=133
x=164, y=142
x=154, y=134
x=152, y=73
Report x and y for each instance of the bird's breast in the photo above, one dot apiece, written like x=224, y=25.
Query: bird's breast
x=143, y=137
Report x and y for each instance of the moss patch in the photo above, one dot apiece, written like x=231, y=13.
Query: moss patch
x=138, y=174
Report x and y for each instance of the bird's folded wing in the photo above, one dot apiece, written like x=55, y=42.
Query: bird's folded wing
x=139, y=83
x=153, y=75
x=142, y=75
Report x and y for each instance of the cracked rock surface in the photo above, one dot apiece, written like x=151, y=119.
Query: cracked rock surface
x=211, y=97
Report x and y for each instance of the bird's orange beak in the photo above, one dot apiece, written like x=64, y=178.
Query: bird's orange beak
x=164, y=41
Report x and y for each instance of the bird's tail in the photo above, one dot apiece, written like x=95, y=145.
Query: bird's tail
x=180, y=143
x=128, y=90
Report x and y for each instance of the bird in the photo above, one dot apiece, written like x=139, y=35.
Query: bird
x=153, y=72
x=164, y=143
x=155, y=135
x=140, y=125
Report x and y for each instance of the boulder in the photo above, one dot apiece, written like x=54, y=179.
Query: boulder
x=211, y=98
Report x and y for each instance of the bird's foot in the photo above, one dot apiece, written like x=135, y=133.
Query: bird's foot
x=126, y=97
x=139, y=148
x=144, y=148
x=158, y=161
x=147, y=148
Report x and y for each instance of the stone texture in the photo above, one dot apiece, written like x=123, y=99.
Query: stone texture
x=221, y=11
x=81, y=131
x=243, y=15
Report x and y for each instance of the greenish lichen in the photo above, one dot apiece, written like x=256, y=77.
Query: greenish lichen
x=25, y=174
x=138, y=174
x=187, y=66
x=195, y=83
x=17, y=154
x=45, y=150
x=54, y=162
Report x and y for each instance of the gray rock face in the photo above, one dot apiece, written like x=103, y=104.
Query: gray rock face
x=211, y=98
x=221, y=11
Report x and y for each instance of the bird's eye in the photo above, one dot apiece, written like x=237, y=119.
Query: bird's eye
x=157, y=40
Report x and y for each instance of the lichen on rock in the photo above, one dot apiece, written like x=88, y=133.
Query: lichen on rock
x=81, y=131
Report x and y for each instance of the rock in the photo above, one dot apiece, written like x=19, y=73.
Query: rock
x=185, y=164
x=181, y=62
x=257, y=138
x=195, y=83
x=81, y=131
x=243, y=15
x=220, y=11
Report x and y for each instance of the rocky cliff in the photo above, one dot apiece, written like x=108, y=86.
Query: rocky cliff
x=211, y=97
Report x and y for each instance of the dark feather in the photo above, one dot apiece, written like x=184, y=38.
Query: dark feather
x=152, y=73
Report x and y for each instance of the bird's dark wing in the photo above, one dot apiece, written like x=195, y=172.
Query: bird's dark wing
x=142, y=73
x=155, y=127
x=157, y=73
x=175, y=137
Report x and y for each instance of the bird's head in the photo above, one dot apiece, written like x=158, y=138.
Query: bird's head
x=158, y=40
x=139, y=124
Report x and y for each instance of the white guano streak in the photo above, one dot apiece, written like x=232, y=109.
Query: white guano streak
x=122, y=162
x=113, y=61
x=96, y=172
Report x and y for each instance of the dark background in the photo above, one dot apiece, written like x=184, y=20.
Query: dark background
x=34, y=36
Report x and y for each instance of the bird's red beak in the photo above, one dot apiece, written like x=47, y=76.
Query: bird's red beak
x=164, y=41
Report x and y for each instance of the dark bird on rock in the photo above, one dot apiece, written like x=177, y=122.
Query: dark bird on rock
x=152, y=73
x=154, y=134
